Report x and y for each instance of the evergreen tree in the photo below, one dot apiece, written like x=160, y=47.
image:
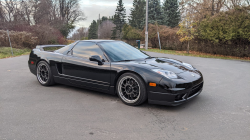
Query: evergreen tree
x=114, y=31
x=113, y=35
x=155, y=13
x=171, y=12
x=93, y=30
x=137, y=15
x=119, y=17
x=104, y=18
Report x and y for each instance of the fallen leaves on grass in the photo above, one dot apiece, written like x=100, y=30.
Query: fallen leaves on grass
x=5, y=52
x=198, y=54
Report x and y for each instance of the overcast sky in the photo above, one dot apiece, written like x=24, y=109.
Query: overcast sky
x=92, y=9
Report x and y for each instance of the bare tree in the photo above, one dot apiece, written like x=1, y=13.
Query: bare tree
x=42, y=12
x=204, y=8
x=83, y=32
x=105, y=29
x=200, y=9
x=80, y=34
x=9, y=9
x=60, y=14
x=230, y=4
x=69, y=10
x=26, y=7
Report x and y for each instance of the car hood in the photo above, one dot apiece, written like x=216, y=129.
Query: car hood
x=173, y=65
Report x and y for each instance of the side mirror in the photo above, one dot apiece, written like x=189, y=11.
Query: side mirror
x=96, y=58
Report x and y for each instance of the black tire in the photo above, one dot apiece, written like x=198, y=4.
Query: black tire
x=129, y=92
x=44, y=74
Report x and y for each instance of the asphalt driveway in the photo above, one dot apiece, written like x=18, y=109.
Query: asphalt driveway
x=29, y=111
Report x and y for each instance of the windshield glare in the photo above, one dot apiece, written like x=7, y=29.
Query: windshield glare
x=120, y=51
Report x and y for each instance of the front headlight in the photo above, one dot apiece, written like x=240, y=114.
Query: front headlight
x=167, y=74
x=188, y=65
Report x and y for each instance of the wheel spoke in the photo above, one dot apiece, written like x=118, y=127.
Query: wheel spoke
x=129, y=89
x=129, y=97
x=128, y=81
x=43, y=78
x=42, y=73
x=135, y=95
x=131, y=82
x=124, y=83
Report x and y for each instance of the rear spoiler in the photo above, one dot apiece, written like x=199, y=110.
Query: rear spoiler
x=40, y=47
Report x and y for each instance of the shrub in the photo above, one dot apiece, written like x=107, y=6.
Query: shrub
x=130, y=33
x=168, y=37
x=18, y=39
x=30, y=36
x=45, y=33
x=227, y=33
x=227, y=27
x=48, y=35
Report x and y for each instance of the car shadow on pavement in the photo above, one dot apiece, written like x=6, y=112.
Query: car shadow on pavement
x=85, y=91
x=173, y=108
x=107, y=96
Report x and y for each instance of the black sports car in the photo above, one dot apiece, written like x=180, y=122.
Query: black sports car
x=117, y=68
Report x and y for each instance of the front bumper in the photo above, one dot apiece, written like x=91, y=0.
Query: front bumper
x=171, y=99
x=183, y=92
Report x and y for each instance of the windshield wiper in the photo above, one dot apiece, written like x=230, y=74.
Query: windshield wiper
x=123, y=60
x=149, y=57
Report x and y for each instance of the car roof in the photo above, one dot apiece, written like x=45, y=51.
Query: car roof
x=96, y=41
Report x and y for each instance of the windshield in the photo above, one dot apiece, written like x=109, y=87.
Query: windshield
x=120, y=51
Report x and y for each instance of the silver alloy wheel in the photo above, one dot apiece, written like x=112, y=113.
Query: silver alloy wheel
x=42, y=73
x=129, y=89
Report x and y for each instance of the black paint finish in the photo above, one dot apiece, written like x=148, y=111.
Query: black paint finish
x=82, y=72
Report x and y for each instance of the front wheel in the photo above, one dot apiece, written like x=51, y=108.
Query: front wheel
x=43, y=74
x=131, y=89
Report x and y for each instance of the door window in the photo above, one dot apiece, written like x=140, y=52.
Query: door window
x=86, y=50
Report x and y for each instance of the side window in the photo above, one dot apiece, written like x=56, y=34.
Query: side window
x=66, y=48
x=87, y=49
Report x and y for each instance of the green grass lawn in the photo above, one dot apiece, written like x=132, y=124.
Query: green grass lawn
x=196, y=54
x=5, y=52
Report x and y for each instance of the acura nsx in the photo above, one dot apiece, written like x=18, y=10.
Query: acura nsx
x=116, y=67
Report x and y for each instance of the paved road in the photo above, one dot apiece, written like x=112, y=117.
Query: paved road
x=29, y=111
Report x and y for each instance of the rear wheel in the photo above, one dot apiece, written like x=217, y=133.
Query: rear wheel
x=44, y=75
x=131, y=89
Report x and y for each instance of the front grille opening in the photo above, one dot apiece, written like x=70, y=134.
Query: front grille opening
x=195, y=89
x=180, y=97
x=181, y=85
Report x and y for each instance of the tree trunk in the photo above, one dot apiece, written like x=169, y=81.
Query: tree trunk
x=212, y=13
x=188, y=48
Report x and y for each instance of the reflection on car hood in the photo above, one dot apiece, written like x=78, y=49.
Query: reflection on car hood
x=173, y=65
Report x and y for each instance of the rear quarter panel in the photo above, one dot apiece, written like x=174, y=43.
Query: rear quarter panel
x=50, y=57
